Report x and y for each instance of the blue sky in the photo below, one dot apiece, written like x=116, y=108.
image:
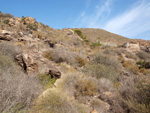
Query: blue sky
x=129, y=18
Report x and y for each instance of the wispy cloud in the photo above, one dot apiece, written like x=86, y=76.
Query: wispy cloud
x=91, y=18
x=101, y=11
x=132, y=22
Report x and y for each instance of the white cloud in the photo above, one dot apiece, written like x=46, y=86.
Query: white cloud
x=87, y=19
x=133, y=22
x=100, y=12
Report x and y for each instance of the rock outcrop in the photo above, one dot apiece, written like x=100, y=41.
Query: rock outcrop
x=55, y=73
x=33, y=65
x=94, y=111
x=132, y=47
x=28, y=63
x=68, y=31
x=28, y=20
x=5, y=35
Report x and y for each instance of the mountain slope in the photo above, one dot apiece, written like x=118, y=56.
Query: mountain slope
x=102, y=35
x=46, y=70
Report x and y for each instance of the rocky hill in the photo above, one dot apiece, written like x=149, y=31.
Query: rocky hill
x=81, y=70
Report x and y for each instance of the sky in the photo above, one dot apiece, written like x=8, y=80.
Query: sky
x=128, y=18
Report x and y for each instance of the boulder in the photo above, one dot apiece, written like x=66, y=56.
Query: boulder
x=68, y=31
x=108, y=94
x=6, y=38
x=17, y=20
x=132, y=47
x=11, y=22
x=55, y=73
x=147, y=49
x=5, y=32
x=27, y=62
x=28, y=20
x=126, y=73
x=5, y=35
x=94, y=111
x=20, y=34
x=50, y=43
x=34, y=63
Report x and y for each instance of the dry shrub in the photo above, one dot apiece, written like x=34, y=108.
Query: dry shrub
x=102, y=71
x=48, y=55
x=77, y=85
x=81, y=86
x=103, y=66
x=8, y=15
x=136, y=95
x=53, y=102
x=9, y=49
x=128, y=87
x=85, y=87
x=32, y=26
x=145, y=71
x=61, y=54
x=57, y=102
x=17, y=90
x=119, y=50
x=114, y=51
x=80, y=61
x=69, y=81
x=105, y=85
x=39, y=35
x=105, y=60
x=6, y=62
x=143, y=56
x=109, y=51
x=133, y=68
x=131, y=55
x=99, y=105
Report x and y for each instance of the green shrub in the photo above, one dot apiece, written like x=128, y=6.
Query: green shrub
x=22, y=19
x=143, y=64
x=96, y=44
x=79, y=32
x=6, y=21
x=46, y=80
x=32, y=26
x=86, y=40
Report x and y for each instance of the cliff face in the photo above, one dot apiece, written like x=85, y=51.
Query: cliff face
x=71, y=70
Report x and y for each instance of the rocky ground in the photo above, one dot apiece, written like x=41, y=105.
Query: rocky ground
x=76, y=70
